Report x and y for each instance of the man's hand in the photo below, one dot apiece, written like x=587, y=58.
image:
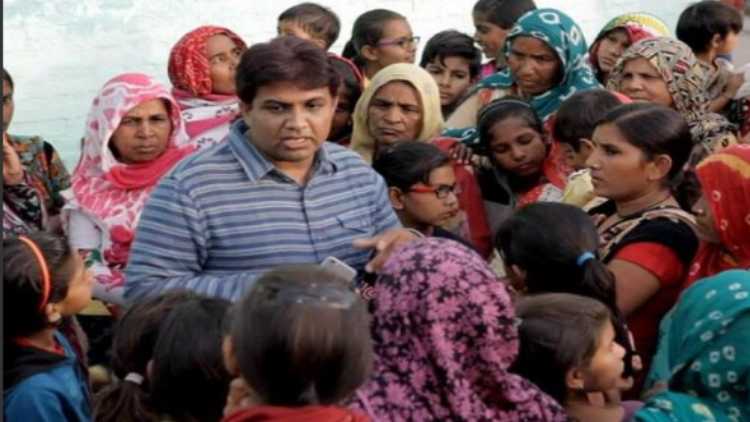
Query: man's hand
x=384, y=244
x=12, y=169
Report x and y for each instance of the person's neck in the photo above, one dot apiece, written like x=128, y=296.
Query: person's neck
x=580, y=409
x=44, y=340
x=299, y=171
x=409, y=223
x=708, y=57
x=371, y=70
x=642, y=202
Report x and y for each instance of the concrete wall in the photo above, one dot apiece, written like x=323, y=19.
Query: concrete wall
x=61, y=52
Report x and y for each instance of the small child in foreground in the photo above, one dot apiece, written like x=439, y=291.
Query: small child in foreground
x=44, y=282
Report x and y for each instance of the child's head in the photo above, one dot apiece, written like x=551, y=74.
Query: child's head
x=568, y=345
x=312, y=22
x=710, y=26
x=350, y=90
x=454, y=62
x=575, y=121
x=493, y=19
x=512, y=135
x=188, y=379
x=551, y=247
x=300, y=337
x=382, y=37
x=132, y=348
x=44, y=281
x=421, y=183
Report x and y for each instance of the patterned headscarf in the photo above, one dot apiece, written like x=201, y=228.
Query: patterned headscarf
x=725, y=181
x=638, y=26
x=189, y=69
x=565, y=37
x=444, y=336
x=703, y=353
x=429, y=97
x=685, y=80
x=111, y=192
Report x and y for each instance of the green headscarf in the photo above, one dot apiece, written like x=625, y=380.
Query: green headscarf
x=565, y=37
x=704, y=354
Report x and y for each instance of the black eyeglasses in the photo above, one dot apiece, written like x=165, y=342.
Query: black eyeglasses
x=405, y=42
x=441, y=191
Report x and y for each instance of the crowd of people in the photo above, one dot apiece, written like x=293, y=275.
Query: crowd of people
x=560, y=232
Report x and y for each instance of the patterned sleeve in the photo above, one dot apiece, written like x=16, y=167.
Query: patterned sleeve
x=59, y=178
x=25, y=203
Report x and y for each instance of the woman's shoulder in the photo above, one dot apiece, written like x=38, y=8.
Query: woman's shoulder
x=672, y=231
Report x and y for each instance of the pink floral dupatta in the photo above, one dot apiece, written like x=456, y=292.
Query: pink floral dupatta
x=444, y=335
x=112, y=193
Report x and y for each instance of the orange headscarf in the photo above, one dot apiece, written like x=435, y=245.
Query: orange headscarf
x=725, y=181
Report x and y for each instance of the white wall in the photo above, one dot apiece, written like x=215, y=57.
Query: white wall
x=61, y=52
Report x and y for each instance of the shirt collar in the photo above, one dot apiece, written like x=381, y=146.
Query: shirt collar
x=257, y=166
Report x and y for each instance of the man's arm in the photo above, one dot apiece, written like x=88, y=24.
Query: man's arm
x=171, y=247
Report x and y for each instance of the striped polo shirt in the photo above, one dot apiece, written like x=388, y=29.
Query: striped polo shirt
x=225, y=215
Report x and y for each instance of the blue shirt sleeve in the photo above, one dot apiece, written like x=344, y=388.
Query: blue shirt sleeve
x=170, y=249
x=35, y=404
x=384, y=217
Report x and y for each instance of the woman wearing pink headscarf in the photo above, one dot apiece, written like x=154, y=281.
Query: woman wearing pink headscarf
x=134, y=135
x=444, y=334
x=201, y=68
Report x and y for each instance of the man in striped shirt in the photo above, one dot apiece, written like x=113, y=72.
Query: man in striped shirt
x=273, y=193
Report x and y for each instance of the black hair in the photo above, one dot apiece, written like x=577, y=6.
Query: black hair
x=284, y=59
x=558, y=332
x=546, y=240
x=407, y=163
x=301, y=337
x=368, y=30
x=7, y=78
x=132, y=348
x=353, y=84
x=699, y=22
x=23, y=284
x=501, y=109
x=655, y=130
x=452, y=43
x=349, y=79
x=577, y=116
x=321, y=22
x=188, y=379
x=503, y=13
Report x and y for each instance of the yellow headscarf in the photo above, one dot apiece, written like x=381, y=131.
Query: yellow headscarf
x=432, y=117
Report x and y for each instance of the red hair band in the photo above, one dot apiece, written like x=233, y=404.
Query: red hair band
x=46, y=284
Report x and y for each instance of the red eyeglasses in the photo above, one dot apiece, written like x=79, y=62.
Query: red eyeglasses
x=441, y=191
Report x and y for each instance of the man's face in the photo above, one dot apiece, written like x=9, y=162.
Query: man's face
x=288, y=123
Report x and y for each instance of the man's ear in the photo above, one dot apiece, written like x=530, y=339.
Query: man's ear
x=245, y=107
x=396, y=197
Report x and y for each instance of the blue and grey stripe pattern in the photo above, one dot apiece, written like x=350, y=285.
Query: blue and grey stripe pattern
x=225, y=215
